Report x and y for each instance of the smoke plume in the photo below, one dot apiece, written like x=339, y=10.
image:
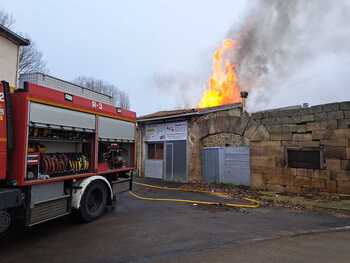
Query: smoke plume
x=296, y=51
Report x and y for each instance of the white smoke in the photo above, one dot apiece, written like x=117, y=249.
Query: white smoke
x=294, y=51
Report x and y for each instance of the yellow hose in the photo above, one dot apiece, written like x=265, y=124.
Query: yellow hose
x=255, y=204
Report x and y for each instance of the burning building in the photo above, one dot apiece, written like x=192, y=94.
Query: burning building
x=296, y=149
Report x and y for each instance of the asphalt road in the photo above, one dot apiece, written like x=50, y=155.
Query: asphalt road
x=143, y=231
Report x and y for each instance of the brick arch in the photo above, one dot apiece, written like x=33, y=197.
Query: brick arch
x=243, y=126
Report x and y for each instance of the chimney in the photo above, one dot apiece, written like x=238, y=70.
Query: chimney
x=244, y=96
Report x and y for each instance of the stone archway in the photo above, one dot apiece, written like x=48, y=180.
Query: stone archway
x=209, y=128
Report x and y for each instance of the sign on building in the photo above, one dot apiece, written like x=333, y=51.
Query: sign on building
x=173, y=131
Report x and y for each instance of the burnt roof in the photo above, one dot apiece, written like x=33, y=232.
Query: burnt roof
x=13, y=37
x=185, y=112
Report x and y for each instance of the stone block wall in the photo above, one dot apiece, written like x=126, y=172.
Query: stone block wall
x=325, y=126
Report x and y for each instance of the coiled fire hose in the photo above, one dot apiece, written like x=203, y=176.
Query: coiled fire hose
x=253, y=203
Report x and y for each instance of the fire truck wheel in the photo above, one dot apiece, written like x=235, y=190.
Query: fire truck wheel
x=5, y=221
x=93, y=202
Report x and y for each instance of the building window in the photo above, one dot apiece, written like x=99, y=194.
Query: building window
x=155, y=151
x=307, y=158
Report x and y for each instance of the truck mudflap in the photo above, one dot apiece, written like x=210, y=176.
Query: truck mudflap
x=10, y=198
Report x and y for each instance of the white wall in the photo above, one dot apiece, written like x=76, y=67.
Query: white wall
x=8, y=61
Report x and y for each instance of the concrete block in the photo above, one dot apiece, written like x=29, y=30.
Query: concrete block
x=266, y=143
x=313, y=143
x=264, y=162
x=274, y=128
x=301, y=172
x=316, y=109
x=335, y=142
x=294, y=119
x=251, y=128
x=319, y=125
x=343, y=176
x=342, y=133
x=307, y=118
x=345, y=165
x=302, y=181
x=343, y=187
x=330, y=107
x=257, y=115
x=257, y=181
x=347, y=114
x=331, y=187
x=333, y=164
x=290, y=128
x=261, y=134
x=302, y=137
x=344, y=105
x=318, y=183
x=266, y=150
x=335, y=115
x=335, y=152
x=344, y=124
x=332, y=175
x=241, y=125
x=290, y=143
x=322, y=116
x=301, y=128
x=276, y=188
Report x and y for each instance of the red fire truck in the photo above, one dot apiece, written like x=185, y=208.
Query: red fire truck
x=63, y=149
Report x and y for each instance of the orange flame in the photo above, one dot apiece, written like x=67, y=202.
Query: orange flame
x=222, y=87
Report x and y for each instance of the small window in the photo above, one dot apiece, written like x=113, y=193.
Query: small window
x=307, y=158
x=155, y=151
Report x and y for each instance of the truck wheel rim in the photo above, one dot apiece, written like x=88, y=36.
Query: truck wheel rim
x=95, y=200
x=5, y=221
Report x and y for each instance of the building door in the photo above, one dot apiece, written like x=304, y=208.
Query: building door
x=169, y=162
x=226, y=165
x=235, y=165
x=154, y=152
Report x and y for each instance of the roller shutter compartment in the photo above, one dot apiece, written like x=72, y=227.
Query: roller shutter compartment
x=112, y=129
x=59, y=117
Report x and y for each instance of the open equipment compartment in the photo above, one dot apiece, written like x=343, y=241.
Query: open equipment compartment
x=116, y=141
x=60, y=142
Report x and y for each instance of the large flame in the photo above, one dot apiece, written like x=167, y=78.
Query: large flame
x=222, y=87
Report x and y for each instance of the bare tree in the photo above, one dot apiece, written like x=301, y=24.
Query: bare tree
x=6, y=19
x=120, y=98
x=30, y=58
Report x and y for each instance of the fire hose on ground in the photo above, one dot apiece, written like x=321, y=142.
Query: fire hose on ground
x=253, y=203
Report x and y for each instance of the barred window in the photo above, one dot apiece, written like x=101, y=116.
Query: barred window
x=155, y=151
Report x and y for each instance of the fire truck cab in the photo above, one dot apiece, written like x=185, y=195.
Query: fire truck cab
x=63, y=149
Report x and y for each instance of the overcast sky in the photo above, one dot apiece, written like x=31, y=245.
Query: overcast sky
x=127, y=43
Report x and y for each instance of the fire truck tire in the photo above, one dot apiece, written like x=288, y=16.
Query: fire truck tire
x=94, y=201
x=5, y=221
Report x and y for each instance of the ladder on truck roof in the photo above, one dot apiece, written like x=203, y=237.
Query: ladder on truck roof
x=65, y=86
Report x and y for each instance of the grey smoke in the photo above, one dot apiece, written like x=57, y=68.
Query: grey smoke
x=181, y=86
x=294, y=51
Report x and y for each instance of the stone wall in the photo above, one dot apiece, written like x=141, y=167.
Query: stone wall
x=326, y=126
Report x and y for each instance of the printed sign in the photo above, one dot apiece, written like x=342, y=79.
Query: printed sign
x=173, y=131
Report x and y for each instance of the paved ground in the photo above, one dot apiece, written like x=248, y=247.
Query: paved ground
x=143, y=231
